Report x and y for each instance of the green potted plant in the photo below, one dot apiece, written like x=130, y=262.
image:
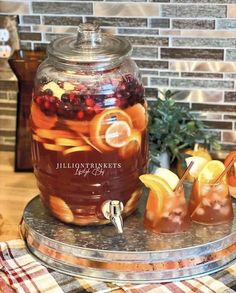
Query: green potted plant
x=173, y=128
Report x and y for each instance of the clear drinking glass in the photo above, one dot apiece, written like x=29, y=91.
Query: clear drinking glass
x=167, y=213
x=210, y=204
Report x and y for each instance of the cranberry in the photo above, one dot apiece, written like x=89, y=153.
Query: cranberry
x=89, y=111
x=48, y=92
x=53, y=99
x=47, y=105
x=118, y=102
x=118, y=95
x=65, y=110
x=121, y=103
x=72, y=97
x=89, y=102
x=38, y=100
x=122, y=87
x=65, y=98
x=80, y=115
x=97, y=108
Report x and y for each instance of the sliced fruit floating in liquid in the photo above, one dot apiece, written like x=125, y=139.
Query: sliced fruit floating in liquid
x=79, y=102
x=83, y=126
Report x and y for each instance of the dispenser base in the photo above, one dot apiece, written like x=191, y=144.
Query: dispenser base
x=136, y=256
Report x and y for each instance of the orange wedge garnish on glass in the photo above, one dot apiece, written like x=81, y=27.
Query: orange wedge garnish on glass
x=132, y=146
x=100, y=123
x=117, y=133
x=153, y=202
x=159, y=187
x=138, y=115
x=211, y=172
x=40, y=120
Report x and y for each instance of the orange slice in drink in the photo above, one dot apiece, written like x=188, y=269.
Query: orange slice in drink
x=211, y=172
x=53, y=147
x=53, y=134
x=132, y=146
x=38, y=138
x=159, y=187
x=138, y=115
x=82, y=148
x=40, y=120
x=117, y=133
x=77, y=126
x=60, y=209
x=101, y=122
x=152, y=206
x=69, y=142
x=88, y=141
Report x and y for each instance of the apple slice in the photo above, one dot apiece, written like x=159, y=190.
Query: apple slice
x=54, y=87
x=198, y=164
x=171, y=178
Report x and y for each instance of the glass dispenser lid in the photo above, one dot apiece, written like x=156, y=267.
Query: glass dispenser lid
x=90, y=46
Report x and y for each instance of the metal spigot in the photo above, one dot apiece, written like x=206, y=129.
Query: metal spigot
x=112, y=210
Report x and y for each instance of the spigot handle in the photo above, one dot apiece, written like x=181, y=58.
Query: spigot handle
x=112, y=210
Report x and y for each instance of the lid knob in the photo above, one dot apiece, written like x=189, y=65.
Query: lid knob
x=89, y=35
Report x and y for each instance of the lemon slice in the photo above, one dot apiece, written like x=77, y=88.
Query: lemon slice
x=158, y=186
x=117, y=133
x=198, y=164
x=168, y=176
x=101, y=122
x=211, y=172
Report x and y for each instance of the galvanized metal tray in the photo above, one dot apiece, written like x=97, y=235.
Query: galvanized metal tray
x=136, y=256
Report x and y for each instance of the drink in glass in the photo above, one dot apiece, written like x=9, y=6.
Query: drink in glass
x=166, y=209
x=210, y=202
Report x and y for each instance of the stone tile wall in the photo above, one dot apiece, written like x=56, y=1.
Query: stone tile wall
x=185, y=45
x=8, y=105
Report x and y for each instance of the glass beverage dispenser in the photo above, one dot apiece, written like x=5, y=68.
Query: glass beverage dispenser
x=89, y=129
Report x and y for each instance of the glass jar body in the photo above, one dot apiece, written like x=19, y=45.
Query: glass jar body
x=89, y=138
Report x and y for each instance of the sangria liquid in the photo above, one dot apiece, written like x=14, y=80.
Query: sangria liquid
x=210, y=204
x=89, y=145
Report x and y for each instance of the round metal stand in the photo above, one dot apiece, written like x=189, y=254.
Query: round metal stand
x=136, y=256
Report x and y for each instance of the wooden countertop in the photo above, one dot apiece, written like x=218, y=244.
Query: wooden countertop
x=16, y=189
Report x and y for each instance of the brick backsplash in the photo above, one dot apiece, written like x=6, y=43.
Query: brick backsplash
x=187, y=46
